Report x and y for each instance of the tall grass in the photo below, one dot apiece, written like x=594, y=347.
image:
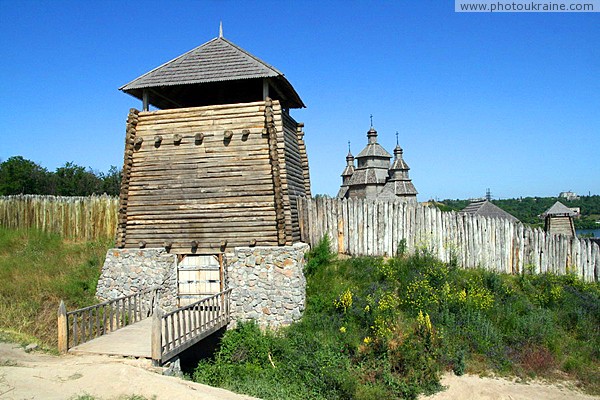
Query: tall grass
x=39, y=269
x=386, y=328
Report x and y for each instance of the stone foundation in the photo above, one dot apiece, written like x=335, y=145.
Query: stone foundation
x=128, y=271
x=268, y=284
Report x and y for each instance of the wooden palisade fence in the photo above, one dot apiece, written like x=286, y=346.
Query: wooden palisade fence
x=82, y=218
x=362, y=227
x=356, y=227
x=82, y=325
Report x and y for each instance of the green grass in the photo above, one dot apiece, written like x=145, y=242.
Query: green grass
x=37, y=270
x=376, y=328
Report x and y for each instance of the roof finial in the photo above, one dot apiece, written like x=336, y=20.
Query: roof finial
x=397, y=138
x=220, y=29
x=348, y=146
x=371, y=116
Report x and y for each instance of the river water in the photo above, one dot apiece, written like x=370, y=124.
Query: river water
x=596, y=232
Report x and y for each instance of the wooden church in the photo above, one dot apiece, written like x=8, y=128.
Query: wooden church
x=218, y=162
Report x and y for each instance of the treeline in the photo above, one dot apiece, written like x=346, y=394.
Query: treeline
x=21, y=176
x=528, y=209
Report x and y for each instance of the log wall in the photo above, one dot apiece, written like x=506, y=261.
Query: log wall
x=219, y=176
x=295, y=158
x=361, y=227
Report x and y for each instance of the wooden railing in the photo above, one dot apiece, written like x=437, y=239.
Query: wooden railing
x=178, y=330
x=82, y=325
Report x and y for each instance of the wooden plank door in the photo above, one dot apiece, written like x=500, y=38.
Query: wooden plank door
x=198, y=276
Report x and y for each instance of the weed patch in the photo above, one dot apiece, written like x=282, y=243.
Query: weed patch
x=376, y=328
x=37, y=270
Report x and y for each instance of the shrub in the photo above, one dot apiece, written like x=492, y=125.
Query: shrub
x=386, y=328
x=319, y=256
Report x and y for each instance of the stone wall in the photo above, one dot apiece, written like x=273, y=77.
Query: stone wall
x=128, y=271
x=268, y=284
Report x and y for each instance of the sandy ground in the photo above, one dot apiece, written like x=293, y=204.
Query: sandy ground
x=475, y=387
x=41, y=376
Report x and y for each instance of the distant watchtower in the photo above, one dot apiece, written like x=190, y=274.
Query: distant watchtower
x=220, y=163
x=559, y=220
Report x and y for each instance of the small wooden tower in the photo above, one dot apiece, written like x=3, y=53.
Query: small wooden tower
x=220, y=163
x=559, y=220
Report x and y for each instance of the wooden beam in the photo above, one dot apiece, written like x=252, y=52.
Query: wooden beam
x=145, y=100
x=63, y=329
x=265, y=88
x=156, y=338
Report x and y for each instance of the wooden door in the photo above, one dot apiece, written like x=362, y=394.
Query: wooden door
x=199, y=276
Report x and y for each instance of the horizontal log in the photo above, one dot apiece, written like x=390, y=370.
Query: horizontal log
x=259, y=105
x=203, y=184
x=204, y=248
x=206, y=219
x=205, y=227
x=199, y=163
x=185, y=151
x=212, y=235
x=242, y=118
x=253, y=126
x=232, y=207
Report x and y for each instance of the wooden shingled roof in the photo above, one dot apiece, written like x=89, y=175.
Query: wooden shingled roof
x=487, y=209
x=189, y=79
x=559, y=209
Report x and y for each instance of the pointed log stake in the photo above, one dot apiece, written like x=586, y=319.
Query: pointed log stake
x=63, y=330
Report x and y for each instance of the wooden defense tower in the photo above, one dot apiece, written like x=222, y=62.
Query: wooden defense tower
x=559, y=220
x=220, y=163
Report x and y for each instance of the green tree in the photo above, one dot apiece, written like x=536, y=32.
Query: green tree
x=21, y=176
x=74, y=180
x=111, y=181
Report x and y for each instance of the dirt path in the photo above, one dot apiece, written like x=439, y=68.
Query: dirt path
x=475, y=387
x=41, y=376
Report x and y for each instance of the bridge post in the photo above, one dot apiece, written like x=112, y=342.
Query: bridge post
x=157, y=335
x=63, y=329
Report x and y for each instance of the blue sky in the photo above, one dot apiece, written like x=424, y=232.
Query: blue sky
x=508, y=101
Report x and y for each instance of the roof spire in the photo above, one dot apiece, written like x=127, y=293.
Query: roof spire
x=348, y=146
x=397, y=138
x=371, y=116
x=220, y=29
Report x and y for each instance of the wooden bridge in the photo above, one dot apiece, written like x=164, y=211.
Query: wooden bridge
x=135, y=326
